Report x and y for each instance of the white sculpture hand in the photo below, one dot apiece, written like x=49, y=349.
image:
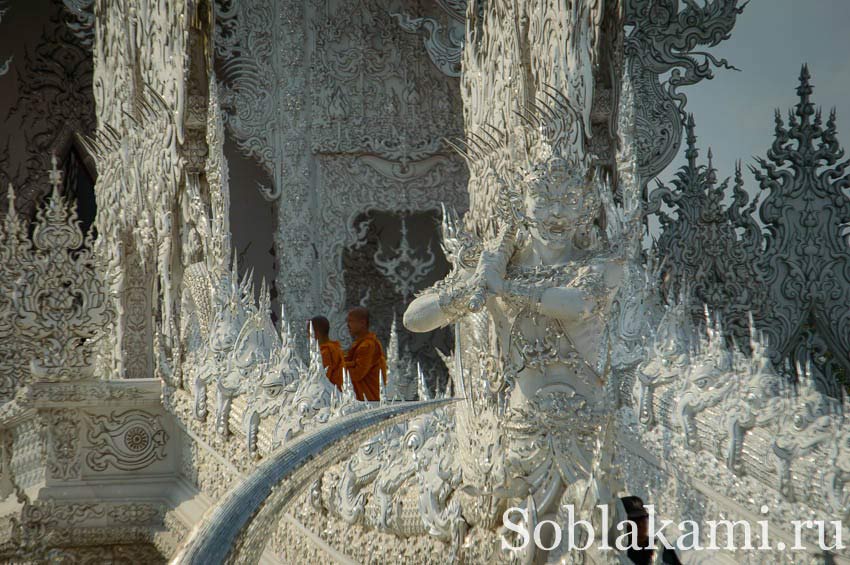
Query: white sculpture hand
x=489, y=278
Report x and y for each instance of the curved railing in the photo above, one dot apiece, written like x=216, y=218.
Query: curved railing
x=237, y=529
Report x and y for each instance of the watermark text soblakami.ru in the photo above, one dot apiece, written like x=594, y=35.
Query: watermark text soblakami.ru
x=719, y=534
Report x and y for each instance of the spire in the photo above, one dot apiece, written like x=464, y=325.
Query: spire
x=423, y=387
x=347, y=387
x=458, y=361
x=12, y=213
x=54, y=175
x=805, y=108
x=739, y=177
x=710, y=172
x=394, y=372
x=691, y=151
x=316, y=367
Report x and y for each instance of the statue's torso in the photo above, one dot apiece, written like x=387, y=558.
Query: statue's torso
x=556, y=404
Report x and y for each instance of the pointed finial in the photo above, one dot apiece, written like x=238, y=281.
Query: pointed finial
x=804, y=108
x=804, y=74
x=808, y=378
x=459, y=360
x=54, y=174
x=315, y=354
x=10, y=196
x=347, y=387
x=691, y=152
x=710, y=172
x=423, y=388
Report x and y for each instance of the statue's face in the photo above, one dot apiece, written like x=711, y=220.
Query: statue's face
x=224, y=332
x=557, y=204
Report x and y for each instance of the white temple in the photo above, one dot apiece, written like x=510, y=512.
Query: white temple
x=190, y=181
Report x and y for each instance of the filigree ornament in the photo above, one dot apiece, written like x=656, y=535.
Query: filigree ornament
x=700, y=246
x=567, y=362
x=403, y=268
x=237, y=357
x=351, y=96
x=146, y=149
x=377, y=181
x=805, y=263
x=509, y=66
x=65, y=439
x=444, y=43
x=59, y=299
x=662, y=39
x=538, y=368
x=17, y=351
x=54, y=106
x=735, y=406
x=370, y=489
x=793, y=276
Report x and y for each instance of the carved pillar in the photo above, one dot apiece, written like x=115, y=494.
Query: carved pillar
x=151, y=76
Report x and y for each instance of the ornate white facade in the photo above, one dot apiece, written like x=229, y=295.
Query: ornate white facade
x=157, y=403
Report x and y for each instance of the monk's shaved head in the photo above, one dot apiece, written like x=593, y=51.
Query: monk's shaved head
x=358, y=322
x=360, y=313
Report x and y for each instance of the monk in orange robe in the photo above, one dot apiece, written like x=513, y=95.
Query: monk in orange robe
x=332, y=356
x=365, y=359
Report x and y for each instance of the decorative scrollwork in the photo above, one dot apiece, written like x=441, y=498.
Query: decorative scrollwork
x=54, y=106
x=59, y=299
x=403, y=268
x=128, y=441
x=443, y=43
x=64, y=462
x=806, y=260
x=82, y=25
x=661, y=40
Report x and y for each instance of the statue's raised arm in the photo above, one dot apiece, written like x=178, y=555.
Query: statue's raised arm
x=464, y=291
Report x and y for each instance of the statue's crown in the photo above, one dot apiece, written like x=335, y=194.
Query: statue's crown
x=548, y=169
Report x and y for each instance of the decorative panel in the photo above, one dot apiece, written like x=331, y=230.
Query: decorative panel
x=346, y=114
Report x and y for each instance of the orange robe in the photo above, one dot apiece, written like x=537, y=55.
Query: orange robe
x=365, y=362
x=333, y=360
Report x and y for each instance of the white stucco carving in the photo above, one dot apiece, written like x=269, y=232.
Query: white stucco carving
x=143, y=365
